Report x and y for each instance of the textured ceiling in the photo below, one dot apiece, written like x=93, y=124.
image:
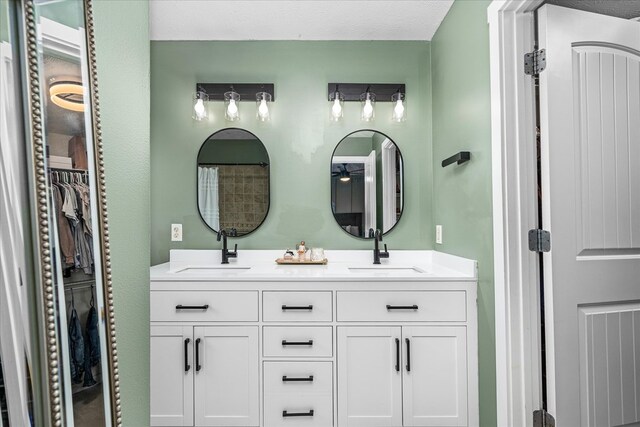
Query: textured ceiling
x=621, y=8
x=296, y=20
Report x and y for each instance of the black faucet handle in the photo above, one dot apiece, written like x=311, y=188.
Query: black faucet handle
x=385, y=248
x=235, y=249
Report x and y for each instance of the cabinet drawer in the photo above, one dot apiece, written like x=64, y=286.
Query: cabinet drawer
x=403, y=306
x=298, y=377
x=210, y=306
x=296, y=307
x=298, y=341
x=311, y=410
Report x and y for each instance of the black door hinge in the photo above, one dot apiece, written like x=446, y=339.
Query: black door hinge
x=542, y=418
x=539, y=240
x=535, y=62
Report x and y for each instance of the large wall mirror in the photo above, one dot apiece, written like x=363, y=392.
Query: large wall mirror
x=76, y=374
x=233, y=182
x=367, y=183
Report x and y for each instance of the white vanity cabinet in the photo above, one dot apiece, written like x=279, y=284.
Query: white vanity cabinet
x=315, y=347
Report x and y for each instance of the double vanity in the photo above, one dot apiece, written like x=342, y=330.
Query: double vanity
x=347, y=344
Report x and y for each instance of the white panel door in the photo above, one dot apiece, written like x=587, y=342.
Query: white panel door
x=435, y=375
x=369, y=377
x=590, y=152
x=171, y=376
x=226, y=376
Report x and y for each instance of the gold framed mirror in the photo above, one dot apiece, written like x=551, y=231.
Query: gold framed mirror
x=75, y=313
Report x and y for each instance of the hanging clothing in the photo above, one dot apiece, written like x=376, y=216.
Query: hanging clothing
x=65, y=237
x=76, y=345
x=92, y=335
x=208, y=197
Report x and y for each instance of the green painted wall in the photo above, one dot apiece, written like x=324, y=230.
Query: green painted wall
x=462, y=194
x=122, y=44
x=300, y=138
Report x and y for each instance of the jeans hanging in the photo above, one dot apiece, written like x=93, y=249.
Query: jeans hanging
x=76, y=345
x=93, y=337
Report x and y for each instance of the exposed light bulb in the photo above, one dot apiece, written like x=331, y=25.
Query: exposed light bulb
x=199, y=109
x=263, y=110
x=398, y=111
x=336, y=109
x=232, y=109
x=367, y=110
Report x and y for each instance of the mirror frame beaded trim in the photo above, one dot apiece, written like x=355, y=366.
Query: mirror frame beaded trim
x=51, y=375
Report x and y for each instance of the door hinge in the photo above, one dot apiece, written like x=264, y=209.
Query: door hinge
x=535, y=62
x=542, y=418
x=539, y=240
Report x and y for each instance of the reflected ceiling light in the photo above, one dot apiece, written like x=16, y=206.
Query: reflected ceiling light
x=337, y=104
x=345, y=176
x=200, y=100
x=263, y=99
x=399, y=108
x=232, y=106
x=67, y=94
x=368, y=100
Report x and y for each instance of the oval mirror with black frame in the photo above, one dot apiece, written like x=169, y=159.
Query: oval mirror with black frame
x=367, y=183
x=233, y=179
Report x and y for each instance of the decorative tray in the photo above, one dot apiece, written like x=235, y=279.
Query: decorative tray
x=283, y=261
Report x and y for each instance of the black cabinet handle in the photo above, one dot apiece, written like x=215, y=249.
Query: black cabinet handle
x=397, y=354
x=408, y=354
x=198, y=367
x=402, y=307
x=192, y=307
x=186, y=354
x=297, y=414
x=285, y=342
x=288, y=379
x=297, y=307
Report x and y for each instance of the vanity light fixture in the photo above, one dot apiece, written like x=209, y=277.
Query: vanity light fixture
x=367, y=95
x=337, y=104
x=200, y=100
x=263, y=99
x=67, y=94
x=368, y=101
x=231, y=94
x=399, y=108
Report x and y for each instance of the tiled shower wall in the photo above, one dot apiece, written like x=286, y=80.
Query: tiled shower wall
x=244, y=196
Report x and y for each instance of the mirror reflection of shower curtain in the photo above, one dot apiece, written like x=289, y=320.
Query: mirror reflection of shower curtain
x=208, y=197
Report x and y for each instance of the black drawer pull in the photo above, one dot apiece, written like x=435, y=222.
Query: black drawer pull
x=285, y=342
x=198, y=367
x=297, y=414
x=192, y=307
x=286, y=379
x=297, y=307
x=402, y=307
x=408, y=354
x=186, y=354
x=397, y=355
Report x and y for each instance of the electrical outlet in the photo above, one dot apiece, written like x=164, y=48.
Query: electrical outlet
x=176, y=232
x=439, y=234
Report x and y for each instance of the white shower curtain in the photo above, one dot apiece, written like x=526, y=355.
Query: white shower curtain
x=208, y=196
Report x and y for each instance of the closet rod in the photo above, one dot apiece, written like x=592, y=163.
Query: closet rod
x=69, y=170
x=73, y=285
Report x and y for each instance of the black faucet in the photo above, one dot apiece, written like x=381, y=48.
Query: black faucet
x=377, y=254
x=226, y=253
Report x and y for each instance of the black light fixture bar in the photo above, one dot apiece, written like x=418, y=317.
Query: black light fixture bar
x=247, y=91
x=459, y=158
x=352, y=91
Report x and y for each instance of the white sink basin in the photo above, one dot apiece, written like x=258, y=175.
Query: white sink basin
x=218, y=271
x=386, y=270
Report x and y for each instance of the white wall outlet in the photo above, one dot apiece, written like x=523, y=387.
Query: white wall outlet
x=176, y=232
x=439, y=234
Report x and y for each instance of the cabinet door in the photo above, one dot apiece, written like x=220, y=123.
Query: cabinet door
x=171, y=376
x=369, y=377
x=435, y=376
x=226, y=376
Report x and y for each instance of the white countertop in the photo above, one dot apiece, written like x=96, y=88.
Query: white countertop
x=344, y=265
